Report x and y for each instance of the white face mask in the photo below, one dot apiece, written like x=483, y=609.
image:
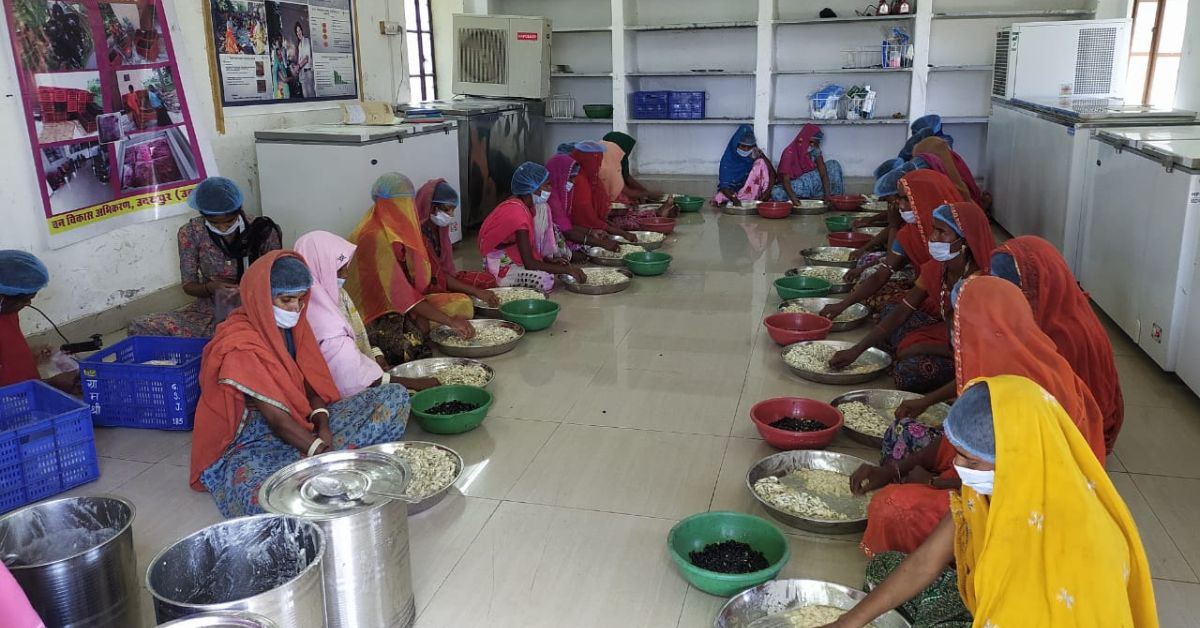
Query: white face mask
x=941, y=252
x=909, y=217
x=745, y=153
x=980, y=481
x=286, y=319
x=441, y=219
x=234, y=228
x=542, y=197
x=570, y=185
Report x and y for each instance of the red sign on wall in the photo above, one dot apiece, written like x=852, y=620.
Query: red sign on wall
x=527, y=36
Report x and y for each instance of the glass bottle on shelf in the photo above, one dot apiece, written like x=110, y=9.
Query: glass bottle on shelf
x=884, y=8
x=904, y=8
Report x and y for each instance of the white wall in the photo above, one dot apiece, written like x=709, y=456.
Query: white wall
x=1187, y=90
x=136, y=261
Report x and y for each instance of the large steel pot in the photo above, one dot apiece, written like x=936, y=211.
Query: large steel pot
x=74, y=559
x=222, y=620
x=368, y=571
x=267, y=564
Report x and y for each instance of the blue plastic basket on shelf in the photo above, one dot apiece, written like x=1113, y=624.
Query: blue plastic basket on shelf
x=651, y=105
x=686, y=105
x=147, y=382
x=46, y=444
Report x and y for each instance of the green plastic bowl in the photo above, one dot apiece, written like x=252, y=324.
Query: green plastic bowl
x=799, y=287
x=699, y=530
x=838, y=223
x=598, y=111
x=648, y=263
x=532, y=314
x=689, y=203
x=451, y=423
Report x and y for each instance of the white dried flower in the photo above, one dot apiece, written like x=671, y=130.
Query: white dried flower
x=486, y=337
x=462, y=375
x=518, y=294
x=835, y=255
x=432, y=468
x=814, y=358
x=606, y=277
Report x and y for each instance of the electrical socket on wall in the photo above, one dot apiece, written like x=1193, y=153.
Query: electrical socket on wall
x=390, y=28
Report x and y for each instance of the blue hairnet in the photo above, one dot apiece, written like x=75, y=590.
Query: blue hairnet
x=945, y=214
x=932, y=121
x=887, y=167
x=889, y=184
x=748, y=139
x=565, y=148
x=391, y=185
x=216, y=196
x=1005, y=267
x=528, y=178
x=969, y=425
x=444, y=194
x=918, y=163
x=289, y=275
x=906, y=153
x=588, y=146
x=21, y=273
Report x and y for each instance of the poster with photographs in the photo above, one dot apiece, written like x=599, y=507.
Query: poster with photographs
x=107, y=115
x=271, y=51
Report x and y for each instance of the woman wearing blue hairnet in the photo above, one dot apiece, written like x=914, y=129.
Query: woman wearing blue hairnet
x=215, y=249
x=22, y=276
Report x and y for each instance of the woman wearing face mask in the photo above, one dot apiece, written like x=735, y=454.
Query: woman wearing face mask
x=215, y=249
x=267, y=398
x=563, y=171
x=1039, y=537
x=511, y=239
x=435, y=204
x=22, y=276
x=353, y=362
x=994, y=334
x=915, y=330
x=589, y=200
x=804, y=172
x=746, y=174
x=398, y=284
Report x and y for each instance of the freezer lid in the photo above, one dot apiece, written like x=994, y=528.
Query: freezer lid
x=1100, y=109
x=1183, y=153
x=468, y=106
x=350, y=133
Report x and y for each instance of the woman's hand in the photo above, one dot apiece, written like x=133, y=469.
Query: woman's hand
x=577, y=273
x=857, y=254
x=844, y=358
x=607, y=243
x=919, y=475
x=832, y=311
x=853, y=274
x=383, y=363
x=869, y=477
x=462, y=327
x=489, y=297
x=912, y=408
x=417, y=383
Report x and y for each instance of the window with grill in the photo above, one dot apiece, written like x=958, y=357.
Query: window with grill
x=1155, y=51
x=418, y=25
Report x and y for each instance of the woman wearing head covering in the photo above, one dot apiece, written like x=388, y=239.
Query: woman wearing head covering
x=634, y=191
x=22, y=276
x=398, y=284
x=589, y=200
x=354, y=363
x=803, y=170
x=563, y=171
x=994, y=334
x=933, y=149
x=215, y=249
x=746, y=174
x=915, y=331
x=1039, y=537
x=435, y=204
x=511, y=236
x=267, y=398
x=1063, y=313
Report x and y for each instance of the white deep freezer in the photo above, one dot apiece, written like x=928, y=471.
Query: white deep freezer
x=1140, y=239
x=319, y=176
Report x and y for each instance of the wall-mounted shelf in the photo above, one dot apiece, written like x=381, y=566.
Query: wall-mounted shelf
x=965, y=120
x=853, y=19
x=582, y=29
x=702, y=121
x=960, y=68
x=992, y=15
x=870, y=122
x=692, y=27
x=847, y=71
x=568, y=75
x=580, y=120
x=695, y=74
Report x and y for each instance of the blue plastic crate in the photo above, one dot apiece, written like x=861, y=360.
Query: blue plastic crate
x=651, y=105
x=123, y=391
x=687, y=105
x=46, y=444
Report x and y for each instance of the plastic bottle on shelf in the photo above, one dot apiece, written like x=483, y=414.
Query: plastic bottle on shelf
x=905, y=8
x=884, y=8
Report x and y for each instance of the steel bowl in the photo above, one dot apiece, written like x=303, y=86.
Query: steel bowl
x=649, y=246
x=785, y=462
x=810, y=207
x=430, y=366
x=439, y=335
x=885, y=401
x=747, y=208
x=859, y=312
x=871, y=231
x=483, y=311
x=810, y=254
x=393, y=449
x=753, y=606
x=596, y=255
x=583, y=288
x=835, y=287
x=875, y=206
x=879, y=360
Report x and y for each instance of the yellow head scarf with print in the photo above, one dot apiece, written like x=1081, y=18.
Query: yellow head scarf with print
x=1054, y=546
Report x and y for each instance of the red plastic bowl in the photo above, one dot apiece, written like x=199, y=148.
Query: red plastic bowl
x=766, y=412
x=774, y=209
x=851, y=239
x=847, y=202
x=790, y=328
x=660, y=225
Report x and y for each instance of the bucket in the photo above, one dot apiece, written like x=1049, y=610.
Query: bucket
x=222, y=620
x=74, y=559
x=266, y=564
x=368, y=571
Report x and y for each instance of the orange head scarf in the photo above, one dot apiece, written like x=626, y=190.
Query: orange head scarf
x=1062, y=311
x=937, y=147
x=248, y=354
x=392, y=258
x=589, y=202
x=610, y=170
x=926, y=190
x=995, y=334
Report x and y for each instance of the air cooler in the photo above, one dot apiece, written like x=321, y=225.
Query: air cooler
x=502, y=56
x=1038, y=60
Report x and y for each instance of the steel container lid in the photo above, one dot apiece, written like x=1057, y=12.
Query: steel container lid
x=334, y=484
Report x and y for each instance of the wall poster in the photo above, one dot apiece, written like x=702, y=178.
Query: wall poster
x=113, y=143
x=276, y=51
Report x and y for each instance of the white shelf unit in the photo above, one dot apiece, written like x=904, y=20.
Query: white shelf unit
x=773, y=54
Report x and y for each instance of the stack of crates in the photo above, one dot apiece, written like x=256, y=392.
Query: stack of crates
x=148, y=382
x=668, y=105
x=46, y=444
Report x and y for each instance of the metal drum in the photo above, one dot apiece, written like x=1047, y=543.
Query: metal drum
x=74, y=559
x=222, y=620
x=269, y=565
x=349, y=494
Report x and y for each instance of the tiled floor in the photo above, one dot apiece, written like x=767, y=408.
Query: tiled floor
x=631, y=413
